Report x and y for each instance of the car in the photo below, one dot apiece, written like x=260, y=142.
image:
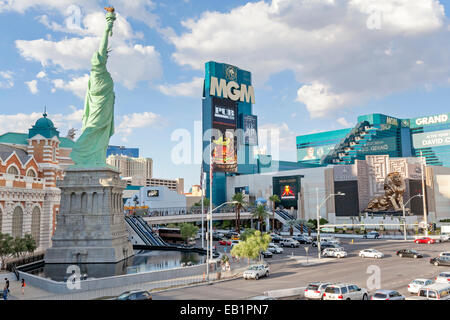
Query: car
x=387, y=295
x=443, y=277
x=234, y=242
x=230, y=234
x=344, y=291
x=409, y=253
x=302, y=239
x=435, y=291
x=424, y=240
x=327, y=245
x=135, y=295
x=372, y=235
x=274, y=248
x=334, y=252
x=415, y=285
x=441, y=261
x=276, y=238
x=225, y=242
x=217, y=236
x=315, y=290
x=289, y=243
x=261, y=298
x=256, y=271
x=371, y=253
x=444, y=254
x=331, y=240
x=266, y=254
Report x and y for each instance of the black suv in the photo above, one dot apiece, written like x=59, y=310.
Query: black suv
x=441, y=261
x=302, y=239
x=276, y=239
x=408, y=253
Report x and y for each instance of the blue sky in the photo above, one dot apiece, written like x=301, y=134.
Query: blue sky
x=316, y=65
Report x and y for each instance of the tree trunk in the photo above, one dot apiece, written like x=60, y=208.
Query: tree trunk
x=301, y=229
x=291, y=230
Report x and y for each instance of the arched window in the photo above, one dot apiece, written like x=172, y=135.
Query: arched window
x=36, y=225
x=17, y=223
x=13, y=170
x=31, y=173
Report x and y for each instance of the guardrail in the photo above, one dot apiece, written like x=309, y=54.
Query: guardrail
x=173, y=211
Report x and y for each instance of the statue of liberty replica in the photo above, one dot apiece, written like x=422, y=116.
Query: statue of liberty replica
x=98, y=115
x=90, y=225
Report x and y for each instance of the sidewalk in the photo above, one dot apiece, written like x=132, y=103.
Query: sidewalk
x=33, y=293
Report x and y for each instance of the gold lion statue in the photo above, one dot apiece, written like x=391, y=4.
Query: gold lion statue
x=394, y=188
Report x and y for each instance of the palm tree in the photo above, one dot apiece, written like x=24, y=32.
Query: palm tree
x=239, y=203
x=274, y=199
x=261, y=214
x=292, y=223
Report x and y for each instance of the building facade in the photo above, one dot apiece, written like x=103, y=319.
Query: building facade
x=30, y=165
x=379, y=134
x=139, y=168
x=361, y=182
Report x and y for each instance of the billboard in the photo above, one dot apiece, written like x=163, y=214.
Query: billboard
x=313, y=153
x=379, y=146
x=250, y=128
x=430, y=120
x=287, y=189
x=224, y=122
x=431, y=139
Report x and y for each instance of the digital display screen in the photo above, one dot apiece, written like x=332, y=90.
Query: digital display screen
x=224, y=140
x=152, y=193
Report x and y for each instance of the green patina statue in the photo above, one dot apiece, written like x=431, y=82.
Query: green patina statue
x=98, y=115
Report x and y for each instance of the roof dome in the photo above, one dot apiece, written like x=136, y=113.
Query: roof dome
x=44, y=127
x=44, y=123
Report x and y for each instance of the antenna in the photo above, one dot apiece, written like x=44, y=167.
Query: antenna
x=45, y=112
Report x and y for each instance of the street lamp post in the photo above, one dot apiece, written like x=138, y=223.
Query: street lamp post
x=209, y=239
x=318, y=216
x=404, y=215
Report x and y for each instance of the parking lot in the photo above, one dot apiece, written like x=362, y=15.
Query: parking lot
x=394, y=272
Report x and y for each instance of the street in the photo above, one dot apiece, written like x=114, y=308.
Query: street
x=395, y=272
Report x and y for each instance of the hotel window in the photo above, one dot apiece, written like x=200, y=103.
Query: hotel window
x=13, y=170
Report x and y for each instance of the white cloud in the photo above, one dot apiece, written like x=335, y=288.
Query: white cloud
x=77, y=86
x=277, y=140
x=129, y=63
x=125, y=124
x=187, y=89
x=6, y=79
x=128, y=123
x=343, y=122
x=338, y=61
x=21, y=122
x=41, y=75
x=32, y=86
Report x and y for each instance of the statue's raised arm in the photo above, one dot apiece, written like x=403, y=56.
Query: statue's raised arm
x=98, y=114
x=110, y=18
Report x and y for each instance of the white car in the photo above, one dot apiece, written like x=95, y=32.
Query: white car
x=334, y=252
x=274, y=248
x=315, y=290
x=443, y=277
x=345, y=291
x=444, y=254
x=331, y=240
x=234, y=242
x=371, y=253
x=387, y=295
x=289, y=243
x=415, y=285
x=256, y=271
x=372, y=235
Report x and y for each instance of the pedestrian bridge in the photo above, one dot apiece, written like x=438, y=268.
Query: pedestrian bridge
x=192, y=217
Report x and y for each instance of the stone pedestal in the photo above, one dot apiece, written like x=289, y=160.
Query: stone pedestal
x=90, y=227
